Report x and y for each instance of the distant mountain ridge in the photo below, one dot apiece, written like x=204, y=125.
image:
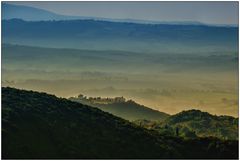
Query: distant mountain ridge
x=123, y=108
x=106, y=35
x=11, y=11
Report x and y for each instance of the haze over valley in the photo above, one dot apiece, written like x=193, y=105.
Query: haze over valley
x=120, y=80
x=168, y=67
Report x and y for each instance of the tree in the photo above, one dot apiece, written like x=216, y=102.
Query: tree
x=177, y=131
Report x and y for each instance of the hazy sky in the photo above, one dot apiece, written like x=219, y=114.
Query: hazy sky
x=206, y=12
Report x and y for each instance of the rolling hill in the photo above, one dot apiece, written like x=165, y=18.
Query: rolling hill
x=11, y=11
x=128, y=110
x=194, y=123
x=41, y=126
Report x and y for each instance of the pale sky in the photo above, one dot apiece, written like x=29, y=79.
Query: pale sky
x=205, y=12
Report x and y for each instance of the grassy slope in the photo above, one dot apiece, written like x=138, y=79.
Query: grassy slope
x=38, y=125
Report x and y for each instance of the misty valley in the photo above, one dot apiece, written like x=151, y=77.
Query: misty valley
x=96, y=88
x=165, y=82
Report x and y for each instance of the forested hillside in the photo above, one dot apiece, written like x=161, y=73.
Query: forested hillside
x=39, y=126
x=195, y=123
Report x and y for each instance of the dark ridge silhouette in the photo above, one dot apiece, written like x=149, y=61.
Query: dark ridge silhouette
x=41, y=126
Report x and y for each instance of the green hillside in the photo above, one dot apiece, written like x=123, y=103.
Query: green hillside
x=194, y=123
x=128, y=110
x=41, y=126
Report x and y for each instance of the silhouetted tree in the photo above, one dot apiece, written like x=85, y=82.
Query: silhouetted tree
x=177, y=131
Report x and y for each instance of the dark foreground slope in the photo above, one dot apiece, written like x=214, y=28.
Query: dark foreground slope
x=38, y=125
